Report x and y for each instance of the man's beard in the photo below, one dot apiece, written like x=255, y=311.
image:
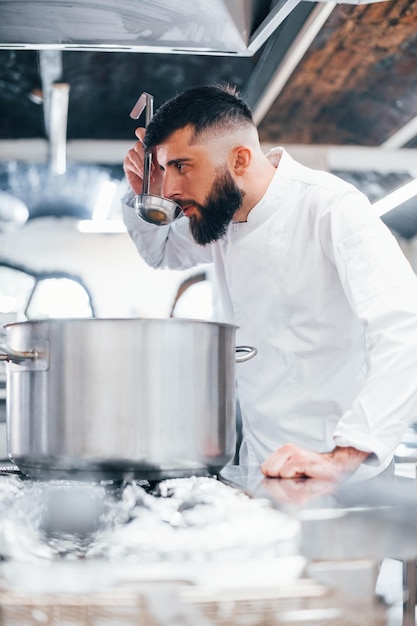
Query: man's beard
x=224, y=199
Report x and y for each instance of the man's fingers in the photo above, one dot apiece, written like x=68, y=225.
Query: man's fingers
x=286, y=469
x=135, y=161
x=274, y=464
x=291, y=461
x=140, y=134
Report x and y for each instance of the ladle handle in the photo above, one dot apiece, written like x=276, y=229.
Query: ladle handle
x=147, y=163
x=145, y=101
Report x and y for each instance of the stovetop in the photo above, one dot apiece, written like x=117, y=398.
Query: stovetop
x=190, y=551
x=175, y=520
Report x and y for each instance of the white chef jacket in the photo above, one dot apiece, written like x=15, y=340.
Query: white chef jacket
x=317, y=283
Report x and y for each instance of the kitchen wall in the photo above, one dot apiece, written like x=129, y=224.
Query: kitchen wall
x=121, y=283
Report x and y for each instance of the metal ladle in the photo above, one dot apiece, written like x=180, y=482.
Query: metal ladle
x=152, y=209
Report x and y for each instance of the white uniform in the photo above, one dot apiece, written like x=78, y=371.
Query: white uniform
x=317, y=283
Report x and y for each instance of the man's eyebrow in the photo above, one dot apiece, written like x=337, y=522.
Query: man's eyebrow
x=178, y=161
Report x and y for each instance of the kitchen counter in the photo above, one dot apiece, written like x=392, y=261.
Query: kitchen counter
x=358, y=522
x=292, y=551
x=374, y=518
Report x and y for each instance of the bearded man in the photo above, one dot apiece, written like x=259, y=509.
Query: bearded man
x=305, y=269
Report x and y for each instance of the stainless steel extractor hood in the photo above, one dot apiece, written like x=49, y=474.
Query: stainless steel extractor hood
x=217, y=27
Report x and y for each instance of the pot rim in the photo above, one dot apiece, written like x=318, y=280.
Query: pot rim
x=159, y=320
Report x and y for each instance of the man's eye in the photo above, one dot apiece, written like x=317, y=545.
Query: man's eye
x=180, y=166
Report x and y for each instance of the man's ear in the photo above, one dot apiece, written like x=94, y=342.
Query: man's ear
x=241, y=158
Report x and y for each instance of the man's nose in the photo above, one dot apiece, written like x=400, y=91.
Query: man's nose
x=171, y=187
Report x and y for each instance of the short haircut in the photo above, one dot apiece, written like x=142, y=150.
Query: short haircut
x=214, y=107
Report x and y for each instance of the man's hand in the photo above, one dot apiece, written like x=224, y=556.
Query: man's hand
x=292, y=461
x=133, y=167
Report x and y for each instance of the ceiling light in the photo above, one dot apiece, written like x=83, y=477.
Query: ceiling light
x=396, y=197
x=104, y=200
x=101, y=226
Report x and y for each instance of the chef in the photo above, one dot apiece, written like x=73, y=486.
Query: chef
x=305, y=269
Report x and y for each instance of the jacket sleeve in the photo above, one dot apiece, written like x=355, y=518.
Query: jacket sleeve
x=382, y=291
x=164, y=246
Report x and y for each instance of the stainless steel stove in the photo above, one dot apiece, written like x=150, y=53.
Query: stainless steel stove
x=179, y=552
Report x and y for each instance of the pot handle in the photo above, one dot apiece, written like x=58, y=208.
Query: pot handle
x=14, y=356
x=248, y=352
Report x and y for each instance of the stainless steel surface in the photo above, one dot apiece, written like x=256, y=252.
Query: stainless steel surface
x=371, y=519
x=157, y=210
x=152, y=209
x=154, y=397
x=183, y=26
x=235, y=27
x=3, y=439
x=184, y=553
x=186, y=520
x=245, y=353
x=8, y=354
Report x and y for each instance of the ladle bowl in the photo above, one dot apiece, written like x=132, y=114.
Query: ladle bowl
x=156, y=210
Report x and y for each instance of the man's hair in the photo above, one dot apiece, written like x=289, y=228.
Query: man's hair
x=214, y=107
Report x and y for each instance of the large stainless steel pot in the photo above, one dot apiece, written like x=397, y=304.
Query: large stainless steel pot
x=108, y=398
